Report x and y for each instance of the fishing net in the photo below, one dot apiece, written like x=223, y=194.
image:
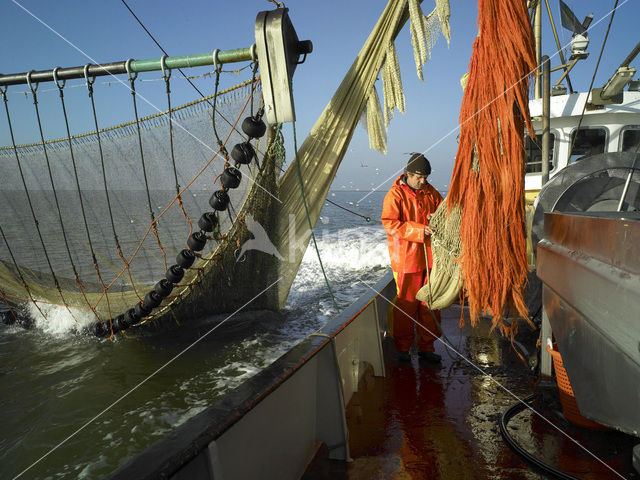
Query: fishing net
x=136, y=223
x=487, y=186
x=91, y=222
x=305, y=184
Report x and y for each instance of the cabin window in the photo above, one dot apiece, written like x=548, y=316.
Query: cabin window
x=590, y=141
x=631, y=139
x=534, y=153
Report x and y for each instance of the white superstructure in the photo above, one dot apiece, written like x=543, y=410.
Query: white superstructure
x=608, y=128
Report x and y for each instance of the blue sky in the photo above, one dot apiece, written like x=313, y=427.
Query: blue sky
x=106, y=32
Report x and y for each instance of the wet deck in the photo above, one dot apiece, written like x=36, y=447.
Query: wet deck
x=440, y=422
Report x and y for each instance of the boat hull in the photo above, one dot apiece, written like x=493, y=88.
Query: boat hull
x=591, y=274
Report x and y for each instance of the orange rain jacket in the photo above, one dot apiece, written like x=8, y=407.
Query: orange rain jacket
x=404, y=216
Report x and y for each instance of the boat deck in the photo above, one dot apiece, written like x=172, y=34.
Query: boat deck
x=440, y=422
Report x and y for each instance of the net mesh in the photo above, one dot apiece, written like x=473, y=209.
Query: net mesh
x=134, y=253
x=100, y=267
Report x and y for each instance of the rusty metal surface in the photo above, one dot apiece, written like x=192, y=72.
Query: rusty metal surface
x=440, y=422
x=591, y=270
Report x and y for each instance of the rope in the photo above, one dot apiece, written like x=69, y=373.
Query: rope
x=8, y=304
x=584, y=107
x=229, y=92
x=132, y=81
x=223, y=150
x=55, y=196
x=24, y=282
x=167, y=75
x=254, y=71
x=165, y=52
x=75, y=172
x=368, y=219
x=306, y=209
x=106, y=189
x=35, y=220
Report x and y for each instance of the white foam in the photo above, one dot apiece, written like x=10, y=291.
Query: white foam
x=348, y=256
x=59, y=320
x=348, y=250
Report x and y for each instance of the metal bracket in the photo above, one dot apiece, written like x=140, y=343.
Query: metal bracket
x=278, y=51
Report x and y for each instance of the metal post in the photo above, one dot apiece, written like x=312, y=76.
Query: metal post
x=545, y=357
x=628, y=181
x=545, y=334
x=537, y=29
x=546, y=100
x=198, y=60
x=555, y=35
x=631, y=56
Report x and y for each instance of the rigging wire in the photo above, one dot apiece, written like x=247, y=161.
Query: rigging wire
x=584, y=107
x=55, y=196
x=132, y=80
x=166, y=74
x=75, y=172
x=3, y=91
x=179, y=69
x=368, y=219
x=90, y=84
x=306, y=209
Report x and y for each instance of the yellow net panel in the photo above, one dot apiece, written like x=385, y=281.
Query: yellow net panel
x=56, y=262
x=323, y=150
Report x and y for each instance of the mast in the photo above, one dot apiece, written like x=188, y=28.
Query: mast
x=537, y=32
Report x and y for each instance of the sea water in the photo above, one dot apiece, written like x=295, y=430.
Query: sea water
x=75, y=406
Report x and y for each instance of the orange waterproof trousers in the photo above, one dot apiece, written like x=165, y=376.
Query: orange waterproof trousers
x=407, y=311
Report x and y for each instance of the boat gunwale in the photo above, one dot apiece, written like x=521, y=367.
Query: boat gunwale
x=169, y=454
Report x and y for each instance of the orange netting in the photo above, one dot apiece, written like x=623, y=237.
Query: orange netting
x=488, y=176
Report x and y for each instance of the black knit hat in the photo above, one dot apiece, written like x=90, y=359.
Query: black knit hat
x=418, y=164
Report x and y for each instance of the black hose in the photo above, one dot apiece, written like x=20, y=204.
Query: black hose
x=517, y=449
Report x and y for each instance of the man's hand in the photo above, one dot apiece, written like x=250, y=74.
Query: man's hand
x=428, y=230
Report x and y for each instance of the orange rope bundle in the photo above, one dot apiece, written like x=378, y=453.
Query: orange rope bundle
x=489, y=189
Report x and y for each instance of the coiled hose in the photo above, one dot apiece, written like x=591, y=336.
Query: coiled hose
x=517, y=449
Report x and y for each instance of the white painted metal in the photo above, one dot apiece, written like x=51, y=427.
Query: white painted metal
x=272, y=425
x=278, y=438
x=565, y=115
x=273, y=32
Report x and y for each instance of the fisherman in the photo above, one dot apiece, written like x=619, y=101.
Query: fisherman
x=406, y=211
